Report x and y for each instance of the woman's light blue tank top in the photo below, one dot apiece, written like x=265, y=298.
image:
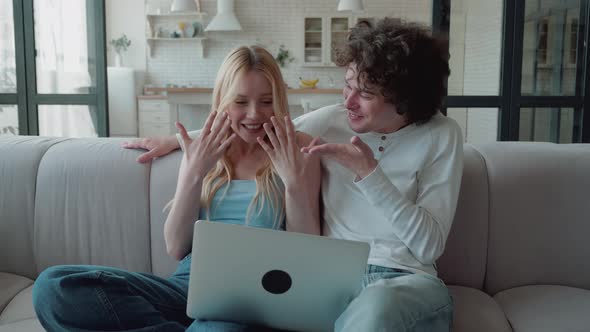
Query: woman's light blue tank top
x=232, y=207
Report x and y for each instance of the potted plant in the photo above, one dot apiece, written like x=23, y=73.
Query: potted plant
x=120, y=44
x=284, y=56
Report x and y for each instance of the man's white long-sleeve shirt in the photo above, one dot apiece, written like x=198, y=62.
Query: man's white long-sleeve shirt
x=404, y=209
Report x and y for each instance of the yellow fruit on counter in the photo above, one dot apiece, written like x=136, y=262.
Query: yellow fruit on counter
x=308, y=83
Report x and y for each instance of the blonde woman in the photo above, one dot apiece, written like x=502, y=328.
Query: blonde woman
x=245, y=167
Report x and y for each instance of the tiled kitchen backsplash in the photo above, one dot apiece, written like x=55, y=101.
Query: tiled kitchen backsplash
x=269, y=23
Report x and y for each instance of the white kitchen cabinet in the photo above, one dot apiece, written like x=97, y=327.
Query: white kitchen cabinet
x=313, y=41
x=321, y=37
x=155, y=117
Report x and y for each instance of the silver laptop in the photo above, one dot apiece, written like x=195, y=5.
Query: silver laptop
x=278, y=279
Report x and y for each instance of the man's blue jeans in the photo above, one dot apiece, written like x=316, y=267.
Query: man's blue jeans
x=96, y=298
x=397, y=300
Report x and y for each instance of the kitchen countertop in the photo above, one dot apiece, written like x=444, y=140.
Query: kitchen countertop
x=152, y=97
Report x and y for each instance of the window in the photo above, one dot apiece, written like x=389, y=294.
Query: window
x=9, y=120
x=543, y=28
x=573, y=42
x=516, y=73
x=53, y=68
x=475, y=47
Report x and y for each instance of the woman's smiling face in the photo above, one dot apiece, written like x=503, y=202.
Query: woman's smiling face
x=252, y=107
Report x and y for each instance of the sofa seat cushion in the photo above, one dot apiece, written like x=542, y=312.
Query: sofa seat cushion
x=28, y=325
x=549, y=308
x=10, y=286
x=16, y=305
x=476, y=311
x=20, y=308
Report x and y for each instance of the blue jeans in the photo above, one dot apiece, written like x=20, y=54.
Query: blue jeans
x=85, y=298
x=398, y=300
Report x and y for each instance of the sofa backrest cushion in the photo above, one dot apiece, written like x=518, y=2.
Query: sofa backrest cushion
x=92, y=206
x=464, y=259
x=19, y=162
x=539, y=214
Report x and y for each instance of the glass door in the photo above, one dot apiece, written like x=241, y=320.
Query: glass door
x=53, y=68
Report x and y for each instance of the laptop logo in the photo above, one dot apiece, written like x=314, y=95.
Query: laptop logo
x=276, y=281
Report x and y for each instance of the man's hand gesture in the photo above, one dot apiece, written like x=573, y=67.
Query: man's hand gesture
x=356, y=156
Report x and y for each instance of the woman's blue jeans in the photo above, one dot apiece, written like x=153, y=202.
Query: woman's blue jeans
x=95, y=298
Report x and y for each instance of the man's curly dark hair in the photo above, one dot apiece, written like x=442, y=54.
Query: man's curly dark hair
x=404, y=60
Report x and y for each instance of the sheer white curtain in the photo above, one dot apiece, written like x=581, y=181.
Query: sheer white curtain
x=61, y=37
x=7, y=55
x=8, y=113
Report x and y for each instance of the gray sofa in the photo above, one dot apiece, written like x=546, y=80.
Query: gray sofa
x=517, y=258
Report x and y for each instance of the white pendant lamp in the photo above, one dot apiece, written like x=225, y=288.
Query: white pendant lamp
x=350, y=5
x=179, y=6
x=226, y=19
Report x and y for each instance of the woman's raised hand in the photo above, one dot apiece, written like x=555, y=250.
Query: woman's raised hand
x=283, y=150
x=201, y=154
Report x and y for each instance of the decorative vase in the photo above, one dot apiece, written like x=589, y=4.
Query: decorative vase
x=118, y=60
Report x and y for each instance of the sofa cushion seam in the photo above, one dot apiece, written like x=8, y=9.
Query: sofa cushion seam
x=488, y=214
x=34, y=233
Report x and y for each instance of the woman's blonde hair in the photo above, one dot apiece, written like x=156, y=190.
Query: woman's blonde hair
x=269, y=189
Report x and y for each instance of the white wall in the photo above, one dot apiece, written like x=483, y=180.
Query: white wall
x=127, y=17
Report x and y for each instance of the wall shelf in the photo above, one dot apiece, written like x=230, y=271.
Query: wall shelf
x=157, y=21
x=151, y=18
x=153, y=41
